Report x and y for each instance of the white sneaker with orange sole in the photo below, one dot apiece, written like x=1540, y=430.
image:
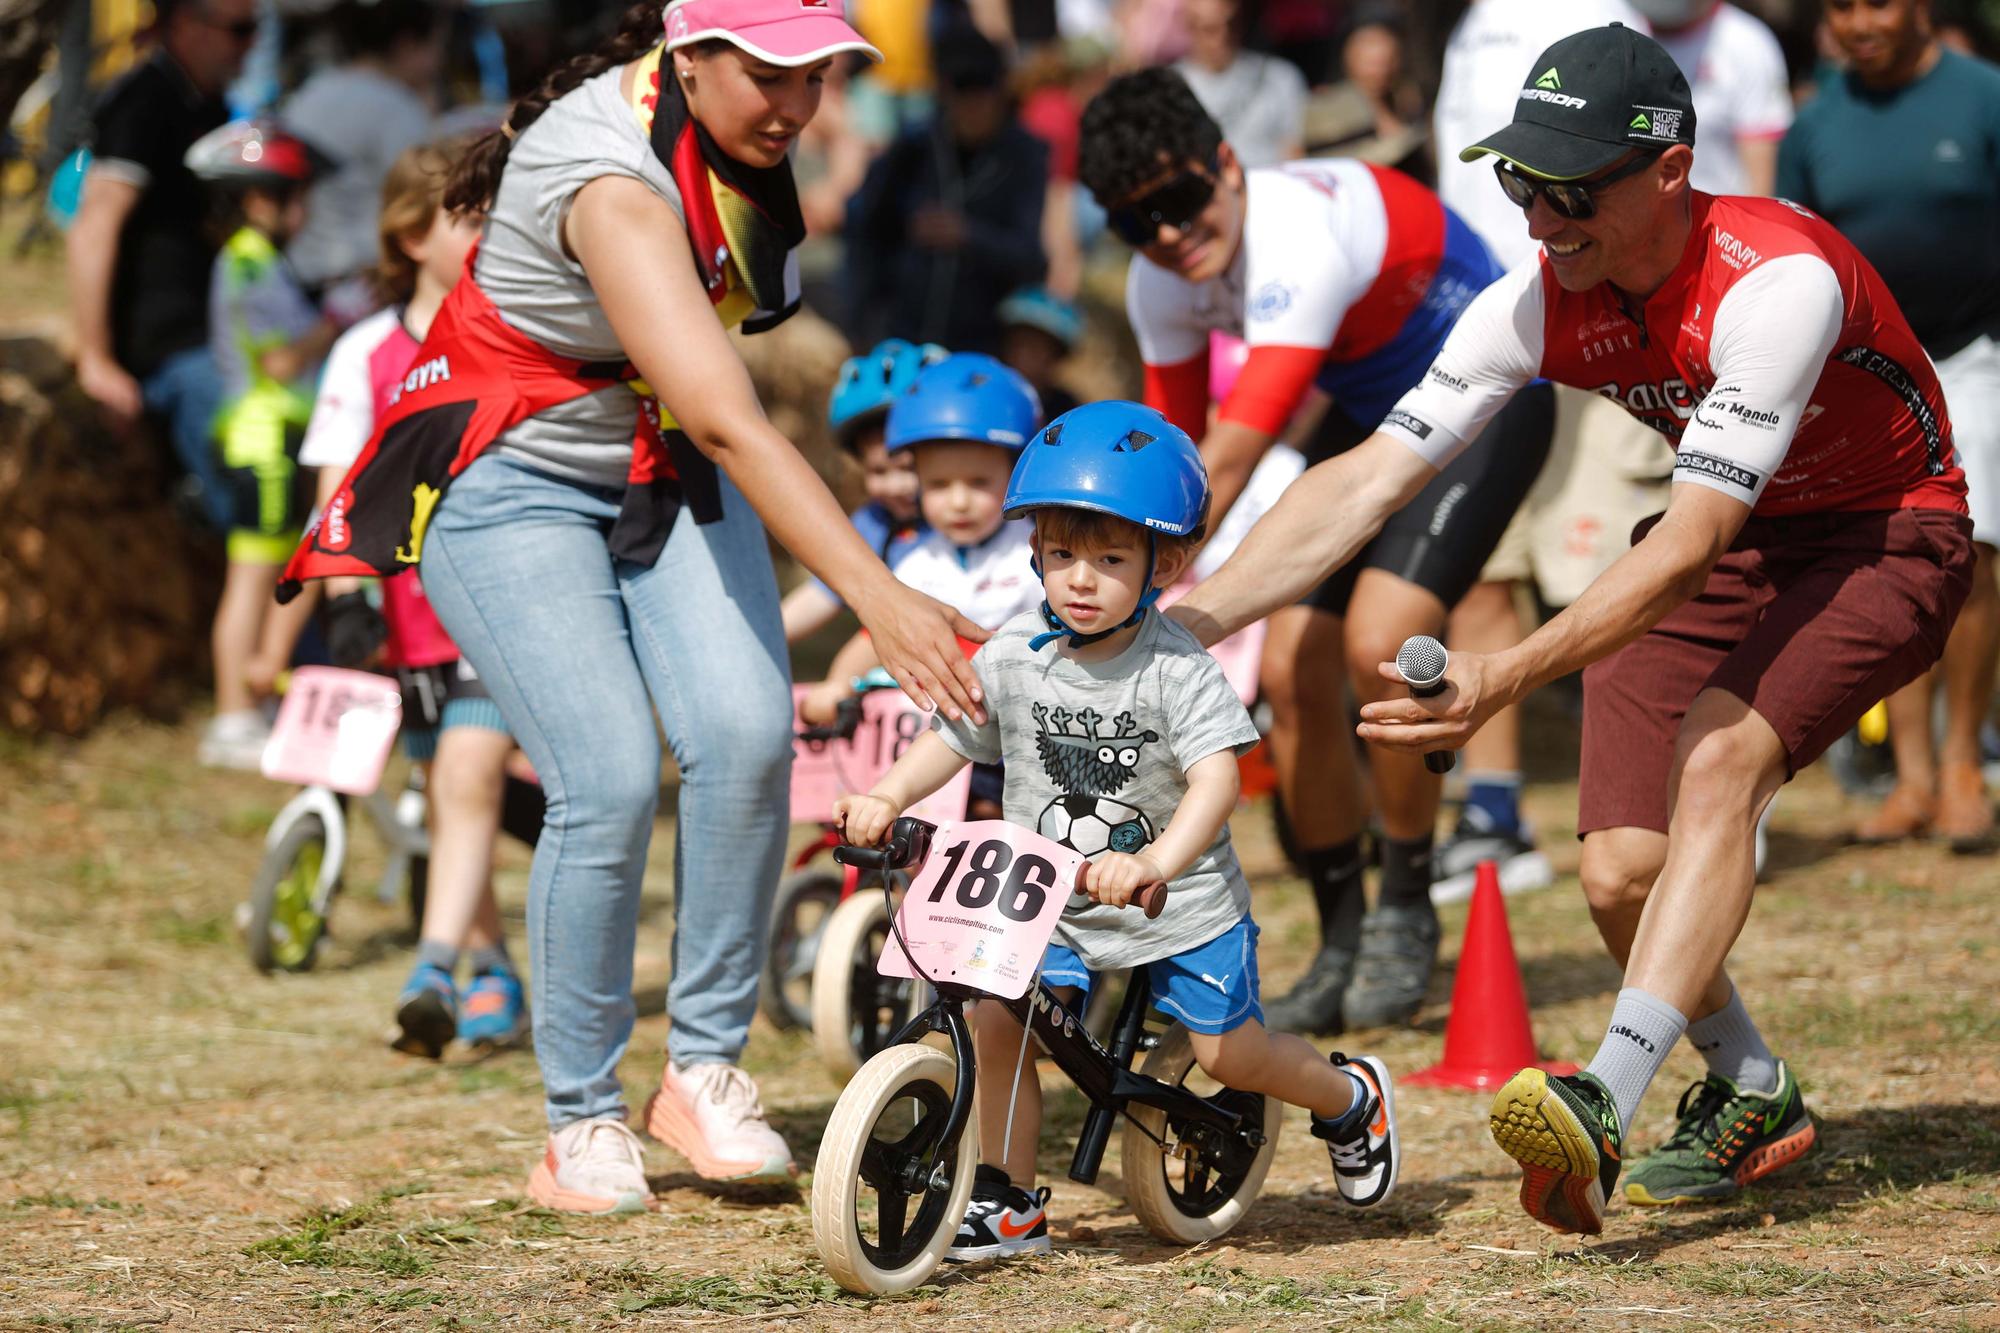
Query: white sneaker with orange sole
x=592, y=1166
x=710, y=1115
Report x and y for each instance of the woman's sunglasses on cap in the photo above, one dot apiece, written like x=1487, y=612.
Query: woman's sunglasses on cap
x=1570, y=199
x=1176, y=204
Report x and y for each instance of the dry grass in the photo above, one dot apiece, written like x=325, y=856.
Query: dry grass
x=186, y=1144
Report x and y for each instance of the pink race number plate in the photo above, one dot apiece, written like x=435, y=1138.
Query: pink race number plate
x=983, y=907
x=334, y=730
x=823, y=771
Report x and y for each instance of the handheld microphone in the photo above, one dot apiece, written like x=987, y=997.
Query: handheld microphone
x=1421, y=663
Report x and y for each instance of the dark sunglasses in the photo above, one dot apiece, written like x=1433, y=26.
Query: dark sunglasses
x=1176, y=204
x=1570, y=199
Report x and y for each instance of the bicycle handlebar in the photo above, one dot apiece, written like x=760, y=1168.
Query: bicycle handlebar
x=846, y=720
x=909, y=841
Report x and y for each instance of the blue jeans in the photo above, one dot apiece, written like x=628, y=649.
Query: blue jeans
x=185, y=391
x=580, y=650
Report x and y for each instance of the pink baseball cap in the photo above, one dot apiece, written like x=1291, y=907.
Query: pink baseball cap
x=783, y=32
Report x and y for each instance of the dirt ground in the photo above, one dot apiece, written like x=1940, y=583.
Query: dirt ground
x=185, y=1144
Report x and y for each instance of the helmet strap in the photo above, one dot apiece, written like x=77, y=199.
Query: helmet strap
x=1058, y=628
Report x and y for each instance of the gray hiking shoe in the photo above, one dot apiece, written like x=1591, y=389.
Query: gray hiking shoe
x=1399, y=947
x=1313, y=1005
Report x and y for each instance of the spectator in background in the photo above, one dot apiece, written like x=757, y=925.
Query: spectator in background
x=1375, y=112
x=139, y=254
x=888, y=98
x=1741, y=92
x=1056, y=83
x=1152, y=32
x=1038, y=331
x=362, y=113
x=1902, y=154
x=949, y=218
x=1259, y=100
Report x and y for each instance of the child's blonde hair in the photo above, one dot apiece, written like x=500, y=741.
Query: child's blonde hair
x=1090, y=529
x=412, y=193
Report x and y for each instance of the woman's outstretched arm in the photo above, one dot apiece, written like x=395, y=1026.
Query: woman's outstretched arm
x=634, y=248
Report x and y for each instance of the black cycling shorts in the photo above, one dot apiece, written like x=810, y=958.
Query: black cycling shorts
x=1441, y=540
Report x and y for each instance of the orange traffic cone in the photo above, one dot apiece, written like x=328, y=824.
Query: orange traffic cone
x=1487, y=1040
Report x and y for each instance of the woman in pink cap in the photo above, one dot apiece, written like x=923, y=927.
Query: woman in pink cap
x=598, y=551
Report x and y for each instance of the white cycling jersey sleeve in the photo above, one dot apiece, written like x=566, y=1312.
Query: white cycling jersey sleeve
x=1495, y=348
x=1773, y=333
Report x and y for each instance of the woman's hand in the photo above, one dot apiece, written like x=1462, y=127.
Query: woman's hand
x=1115, y=876
x=916, y=637
x=1473, y=692
x=864, y=821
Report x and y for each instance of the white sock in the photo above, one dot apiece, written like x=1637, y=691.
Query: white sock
x=1643, y=1029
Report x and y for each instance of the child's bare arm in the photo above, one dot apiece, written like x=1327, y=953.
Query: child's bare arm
x=287, y=361
x=806, y=610
x=855, y=658
x=1212, y=787
x=927, y=765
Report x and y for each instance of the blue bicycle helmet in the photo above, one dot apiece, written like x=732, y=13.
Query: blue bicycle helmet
x=1040, y=308
x=1115, y=458
x=966, y=396
x=870, y=382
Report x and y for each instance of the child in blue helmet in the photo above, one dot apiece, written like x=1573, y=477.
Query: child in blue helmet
x=963, y=422
x=890, y=521
x=1120, y=738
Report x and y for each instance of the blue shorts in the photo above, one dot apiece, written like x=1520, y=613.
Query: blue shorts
x=1210, y=988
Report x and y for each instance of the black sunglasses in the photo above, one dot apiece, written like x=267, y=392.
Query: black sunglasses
x=1570, y=199
x=1176, y=204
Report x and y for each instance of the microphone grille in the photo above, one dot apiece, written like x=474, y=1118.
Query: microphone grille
x=1421, y=659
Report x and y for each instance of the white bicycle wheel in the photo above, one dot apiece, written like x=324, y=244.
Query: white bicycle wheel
x=1203, y=1191
x=856, y=1012
x=877, y=1231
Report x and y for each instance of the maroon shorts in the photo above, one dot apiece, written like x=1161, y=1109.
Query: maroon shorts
x=1810, y=620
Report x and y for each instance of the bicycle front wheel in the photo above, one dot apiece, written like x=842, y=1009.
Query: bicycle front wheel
x=287, y=918
x=887, y=1194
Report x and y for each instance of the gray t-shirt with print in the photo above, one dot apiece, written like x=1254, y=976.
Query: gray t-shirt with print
x=541, y=291
x=1097, y=755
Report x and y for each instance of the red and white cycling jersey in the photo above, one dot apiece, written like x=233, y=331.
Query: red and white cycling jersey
x=1341, y=263
x=1773, y=357
x=363, y=370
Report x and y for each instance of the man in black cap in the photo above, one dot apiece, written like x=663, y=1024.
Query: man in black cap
x=1813, y=556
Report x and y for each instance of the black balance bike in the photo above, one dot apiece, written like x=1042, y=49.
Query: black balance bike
x=895, y=1168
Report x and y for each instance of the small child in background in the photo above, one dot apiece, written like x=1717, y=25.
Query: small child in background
x=890, y=521
x=449, y=719
x=1038, y=331
x=268, y=339
x=1098, y=698
x=964, y=420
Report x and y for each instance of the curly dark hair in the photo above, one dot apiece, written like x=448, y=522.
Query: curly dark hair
x=1140, y=123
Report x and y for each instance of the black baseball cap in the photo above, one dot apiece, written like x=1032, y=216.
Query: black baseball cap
x=1589, y=100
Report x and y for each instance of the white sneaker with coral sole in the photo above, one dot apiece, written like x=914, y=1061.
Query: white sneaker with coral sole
x=592, y=1166
x=710, y=1115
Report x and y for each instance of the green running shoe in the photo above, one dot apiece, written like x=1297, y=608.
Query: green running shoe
x=1726, y=1138
x=1564, y=1133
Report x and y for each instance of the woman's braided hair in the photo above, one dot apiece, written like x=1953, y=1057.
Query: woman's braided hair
x=477, y=177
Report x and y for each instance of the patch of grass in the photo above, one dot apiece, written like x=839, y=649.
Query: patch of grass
x=767, y=1289
x=388, y=1260
x=69, y=1201
x=1766, y=1278
x=310, y=1240
x=505, y=1075
x=191, y=932
x=247, y=821
x=407, y=1298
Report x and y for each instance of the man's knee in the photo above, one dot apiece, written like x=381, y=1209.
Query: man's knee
x=1726, y=758
x=1619, y=867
